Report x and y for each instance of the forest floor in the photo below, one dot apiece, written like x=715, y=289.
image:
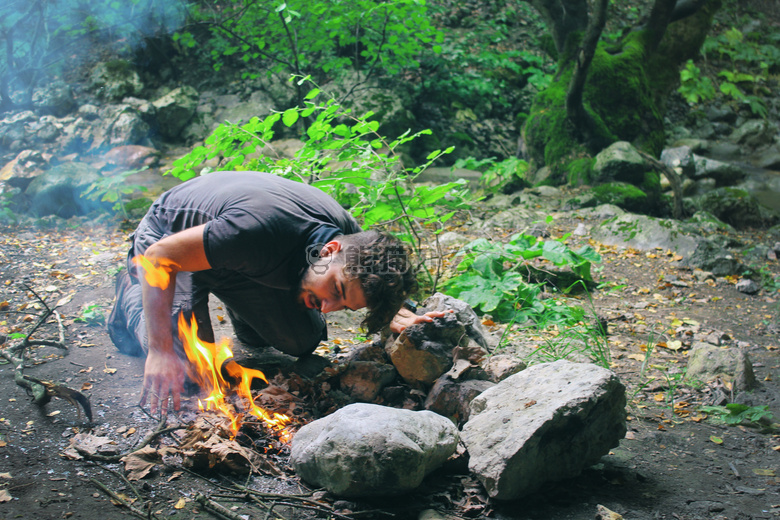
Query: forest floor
x=675, y=462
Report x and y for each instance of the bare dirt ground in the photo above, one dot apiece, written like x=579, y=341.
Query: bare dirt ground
x=675, y=462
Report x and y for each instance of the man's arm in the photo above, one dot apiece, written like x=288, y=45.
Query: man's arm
x=164, y=370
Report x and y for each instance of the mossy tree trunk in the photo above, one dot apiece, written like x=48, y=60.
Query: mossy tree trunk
x=608, y=92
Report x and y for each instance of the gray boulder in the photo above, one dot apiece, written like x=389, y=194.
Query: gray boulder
x=754, y=133
x=117, y=125
x=451, y=398
x=371, y=450
x=58, y=191
x=175, y=109
x=723, y=173
x=619, y=162
x=769, y=158
x=736, y=207
x=54, y=99
x=114, y=80
x=679, y=157
x=231, y=108
x=706, y=362
x=368, y=372
x=546, y=423
x=463, y=312
x=424, y=351
x=647, y=233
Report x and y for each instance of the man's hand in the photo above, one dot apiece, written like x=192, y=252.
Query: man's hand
x=163, y=377
x=405, y=317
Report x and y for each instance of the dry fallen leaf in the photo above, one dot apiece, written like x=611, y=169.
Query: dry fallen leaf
x=5, y=496
x=176, y=474
x=181, y=504
x=764, y=472
x=86, y=386
x=86, y=443
x=139, y=463
x=5, y=475
x=109, y=370
x=62, y=301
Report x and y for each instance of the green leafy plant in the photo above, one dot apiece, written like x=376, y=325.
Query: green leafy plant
x=345, y=156
x=496, y=278
x=735, y=414
x=695, y=87
x=497, y=176
x=91, y=314
x=114, y=189
x=745, y=63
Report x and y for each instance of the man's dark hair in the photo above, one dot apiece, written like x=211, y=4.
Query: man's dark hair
x=381, y=263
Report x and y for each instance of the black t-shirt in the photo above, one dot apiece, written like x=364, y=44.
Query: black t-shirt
x=258, y=224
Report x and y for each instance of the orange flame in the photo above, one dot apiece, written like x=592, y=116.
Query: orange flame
x=156, y=275
x=206, y=363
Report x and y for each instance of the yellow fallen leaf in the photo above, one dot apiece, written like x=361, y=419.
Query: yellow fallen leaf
x=109, y=370
x=3, y=444
x=86, y=386
x=637, y=357
x=764, y=472
x=5, y=496
x=52, y=414
x=659, y=397
x=5, y=475
x=674, y=345
x=716, y=440
x=181, y=504
x=62, y=301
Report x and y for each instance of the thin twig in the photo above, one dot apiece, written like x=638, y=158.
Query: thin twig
x=121, y=476
x=214, y=507
x=160, y=430
x=119, y=500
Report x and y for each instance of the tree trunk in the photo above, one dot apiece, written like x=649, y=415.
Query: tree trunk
x=606, y=93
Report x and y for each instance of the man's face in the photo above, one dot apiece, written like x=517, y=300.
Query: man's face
x=326, y=287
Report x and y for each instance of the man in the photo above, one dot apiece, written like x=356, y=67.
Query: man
x=277, y=253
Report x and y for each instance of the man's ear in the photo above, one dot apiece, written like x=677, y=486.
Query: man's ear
x=330, y=248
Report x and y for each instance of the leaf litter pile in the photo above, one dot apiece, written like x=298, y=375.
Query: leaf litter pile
x=58, y=289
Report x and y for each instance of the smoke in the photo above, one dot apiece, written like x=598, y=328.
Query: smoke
x=44, y=38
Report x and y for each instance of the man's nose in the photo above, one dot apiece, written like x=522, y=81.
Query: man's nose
x=329, y=306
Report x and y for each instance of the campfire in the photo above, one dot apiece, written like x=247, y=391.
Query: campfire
x=212, y=367
x=210, y=363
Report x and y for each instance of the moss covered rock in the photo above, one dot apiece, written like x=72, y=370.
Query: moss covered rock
x=622, y=195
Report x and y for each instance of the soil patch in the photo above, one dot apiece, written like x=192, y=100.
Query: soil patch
x=675, y=462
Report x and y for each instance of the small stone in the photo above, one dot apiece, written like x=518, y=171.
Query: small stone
x=747, y=286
